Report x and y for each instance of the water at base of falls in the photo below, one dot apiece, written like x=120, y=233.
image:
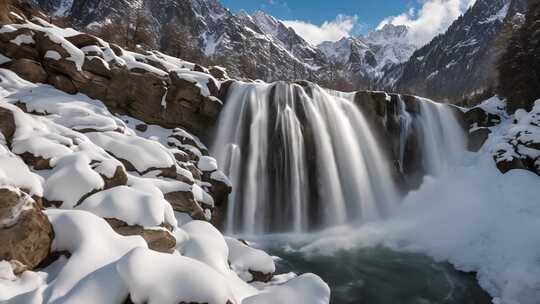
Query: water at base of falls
x=299, y=159
x=376, y=275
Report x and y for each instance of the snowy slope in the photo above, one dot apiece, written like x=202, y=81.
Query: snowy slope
x=100, y=258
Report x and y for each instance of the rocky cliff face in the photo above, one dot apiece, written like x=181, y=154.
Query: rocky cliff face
x=460, y=62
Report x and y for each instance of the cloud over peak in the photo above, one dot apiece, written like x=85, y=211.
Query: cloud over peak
x=433, y=18
x=333, y=30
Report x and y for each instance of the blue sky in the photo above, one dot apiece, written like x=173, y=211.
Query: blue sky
x=370, y=12
x=330, y=20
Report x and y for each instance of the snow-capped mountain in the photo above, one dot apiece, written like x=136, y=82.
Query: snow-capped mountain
x=460, y=62
x=365, y=59
x=258, y=46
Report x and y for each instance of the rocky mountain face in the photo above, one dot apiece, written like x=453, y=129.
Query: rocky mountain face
x=454, y=65
x=256, y=47
x=364, y=60
x=460, y=62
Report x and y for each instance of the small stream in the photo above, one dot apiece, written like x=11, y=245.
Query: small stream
x=377, y=275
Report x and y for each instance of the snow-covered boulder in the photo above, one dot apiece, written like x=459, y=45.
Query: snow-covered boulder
x=520, y=148
x=133, y=212
x=25, y=232
x=251, y=264
x=307, y=288
x=153, y=277
x=137, y=154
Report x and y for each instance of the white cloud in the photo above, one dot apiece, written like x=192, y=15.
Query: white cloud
x=334, y=30
x=433, y=18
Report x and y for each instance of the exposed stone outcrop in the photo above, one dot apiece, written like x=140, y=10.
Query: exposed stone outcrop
x=184, y=201
x=28, y=69
x=25, y=232
x=143, y=86
x=157, y=239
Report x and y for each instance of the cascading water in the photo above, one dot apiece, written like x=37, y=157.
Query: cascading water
x=299, y=159
x=443, y=139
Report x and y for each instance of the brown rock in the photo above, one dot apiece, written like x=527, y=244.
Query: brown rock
x=29, y=70
x=141, y=127
x=62, y=83
x=158, y=240
x=37, y=162
x=26, y=235
x=185, y=202
x=96, y=87
x=97, y=66
x=219, y=190
x=119, y=178
x=7, y=124
x=260, y=276
x=218, y=72
x=15, y=51
x=477, y=138
x=81, y=40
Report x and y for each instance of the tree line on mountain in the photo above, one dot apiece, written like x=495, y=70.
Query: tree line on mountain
x=519, y=63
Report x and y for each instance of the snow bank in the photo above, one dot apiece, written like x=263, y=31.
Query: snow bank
x=154, y=277
x=11, y=285
x=92, y=243
x=14, y=172
x=72, y=178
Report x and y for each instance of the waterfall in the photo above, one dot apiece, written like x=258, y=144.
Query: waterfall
x=405, y=121
x=299, y=159
x=443, y=139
